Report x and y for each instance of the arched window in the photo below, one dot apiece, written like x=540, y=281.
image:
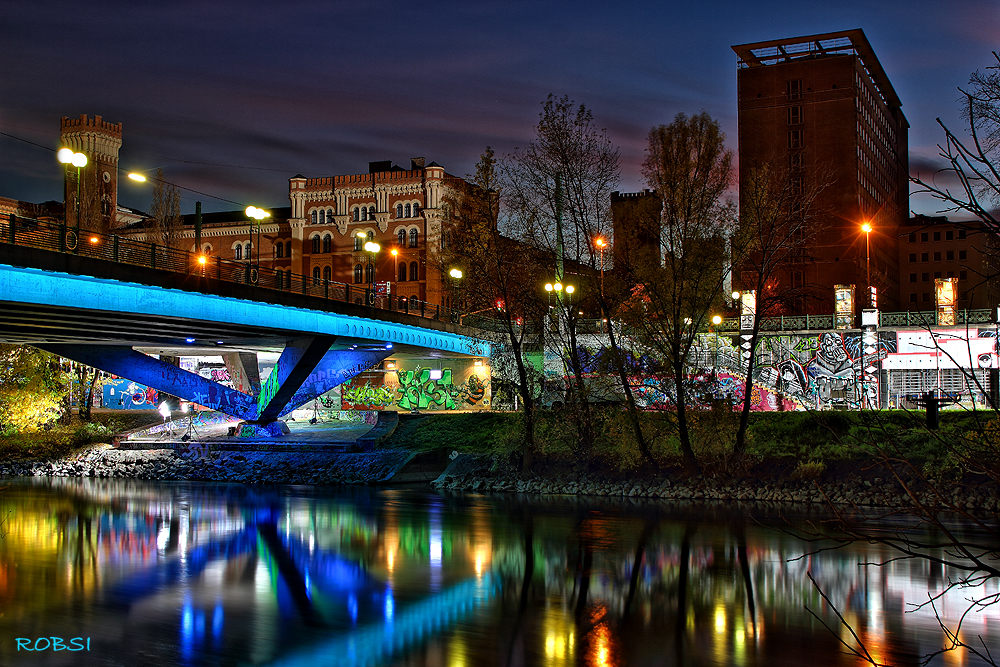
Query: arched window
x=315, y=244
x=407, y=210
x=288, y=250
x=399, y=210
x=371, y=235
x=238, y=252
x=403, y=303
x=402, y=272
x=414, y=271
x=357, y=242
x=416, y=210
x=327, y=241
x=414, y=235
x=329, y=216
x=315, y=275
x=326, y=273
x=371, y=212
x=401, y=237
x=246, y=251
x=278, y=281
x=279, y=250
x=355, y=212
x=357, y=273
x=312, y=217
x=368, y=273
x=364, y=213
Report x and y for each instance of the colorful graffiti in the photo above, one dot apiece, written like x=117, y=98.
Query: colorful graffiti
x=368, y=394
x=122, y=394
x=417, y=390
x=360, y=416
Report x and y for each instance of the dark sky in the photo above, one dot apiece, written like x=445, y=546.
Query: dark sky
x=233, y=98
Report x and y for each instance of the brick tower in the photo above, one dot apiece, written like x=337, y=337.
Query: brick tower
x=98, y=187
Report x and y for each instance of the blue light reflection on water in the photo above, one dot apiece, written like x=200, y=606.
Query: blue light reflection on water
x=261, y=576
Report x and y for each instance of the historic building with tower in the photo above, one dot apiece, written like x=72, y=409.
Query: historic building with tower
x=96, y=184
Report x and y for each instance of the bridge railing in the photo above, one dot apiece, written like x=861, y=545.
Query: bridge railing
x=28, y=232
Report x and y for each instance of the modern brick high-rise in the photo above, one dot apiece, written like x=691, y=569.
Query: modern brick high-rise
x=822, y=107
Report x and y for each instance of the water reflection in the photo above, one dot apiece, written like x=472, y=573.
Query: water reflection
x=213, y=574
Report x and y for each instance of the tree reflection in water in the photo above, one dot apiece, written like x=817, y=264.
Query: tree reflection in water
x=202, y=574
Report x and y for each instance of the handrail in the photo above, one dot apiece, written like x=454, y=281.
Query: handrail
x=29, y=232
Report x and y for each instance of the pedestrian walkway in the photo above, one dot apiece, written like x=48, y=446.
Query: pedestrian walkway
x=216, y=431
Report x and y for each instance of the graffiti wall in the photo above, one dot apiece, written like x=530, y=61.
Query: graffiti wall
x=122, y=394
x=453, y=385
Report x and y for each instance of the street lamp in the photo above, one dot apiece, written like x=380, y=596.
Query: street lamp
x=372, y=248
x=867, y=229
x=257, y=214
x=716, y=321
x=601, y=244
x=68, y=157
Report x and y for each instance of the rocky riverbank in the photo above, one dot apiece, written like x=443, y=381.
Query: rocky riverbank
x=249, y=467
x=873, y=487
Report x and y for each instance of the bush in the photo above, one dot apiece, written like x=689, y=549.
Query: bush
x=808, y=470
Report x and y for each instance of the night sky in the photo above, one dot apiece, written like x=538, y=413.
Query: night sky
x=233, y=98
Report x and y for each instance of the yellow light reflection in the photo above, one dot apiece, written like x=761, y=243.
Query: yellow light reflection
x=557, y=629
x=458, y=652
x=720, y=619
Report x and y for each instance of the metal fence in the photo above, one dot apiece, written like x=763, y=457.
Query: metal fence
x=27, y=232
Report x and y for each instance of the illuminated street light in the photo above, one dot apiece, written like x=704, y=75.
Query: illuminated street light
x=601, y=245
x=372, y=248
x=455, y=273
x=137, y=177
x=68, y=157
x=716, y=320
x=867, y=229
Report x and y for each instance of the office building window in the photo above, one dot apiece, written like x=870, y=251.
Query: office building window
x=924, y=256
x=913, y=238
x=961, y=233
x=913, y=256
x=794, y=89
x=327, y=243
x=414, y=271
x=937, y=236
x=937, y=274
x=399, y=210
x=923, y=236
x=795, y=115
x=937, y=257
x=961, y=254
x=950, y=255
x=963, y=275
x=794, y=139
x=913, y=277
x=414, y=236
x=402, y=272
x=948, y=236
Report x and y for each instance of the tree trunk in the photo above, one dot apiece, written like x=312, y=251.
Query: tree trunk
x=527, y=400
x=633, y=411
x=740, y=446
x=690, y=461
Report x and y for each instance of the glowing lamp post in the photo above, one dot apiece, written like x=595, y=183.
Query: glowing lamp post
x=68, y=157
x=372, y=248
x=867, y=229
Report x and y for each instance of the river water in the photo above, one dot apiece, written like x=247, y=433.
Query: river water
x=145, y=573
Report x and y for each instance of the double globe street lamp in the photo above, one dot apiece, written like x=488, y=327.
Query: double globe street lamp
x=71, y=158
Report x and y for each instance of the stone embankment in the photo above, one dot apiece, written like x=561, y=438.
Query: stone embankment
x=476, y=474
x=248, y=467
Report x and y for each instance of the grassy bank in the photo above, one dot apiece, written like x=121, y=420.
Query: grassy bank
x=802, y=438
x=58, y=440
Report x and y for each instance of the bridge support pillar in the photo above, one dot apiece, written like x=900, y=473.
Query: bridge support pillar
x=244, y=372
x=160, y=375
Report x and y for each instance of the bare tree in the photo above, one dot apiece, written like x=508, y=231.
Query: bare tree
x=679, y=276
x=164, y=225
x=778, y=221
x=558, y=193
x=502, y=276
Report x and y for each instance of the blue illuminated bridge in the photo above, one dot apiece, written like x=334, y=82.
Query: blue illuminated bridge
x=110, y=302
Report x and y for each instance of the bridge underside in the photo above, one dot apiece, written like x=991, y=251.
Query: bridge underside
x=116, y=326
